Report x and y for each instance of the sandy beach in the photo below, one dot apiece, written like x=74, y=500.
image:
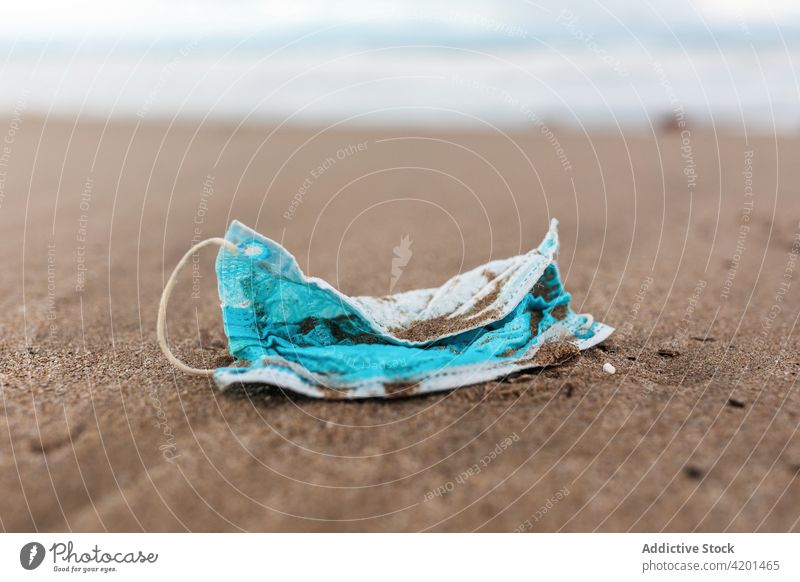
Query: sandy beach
x=686, y=242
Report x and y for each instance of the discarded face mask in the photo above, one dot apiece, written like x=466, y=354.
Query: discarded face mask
x=300, y=333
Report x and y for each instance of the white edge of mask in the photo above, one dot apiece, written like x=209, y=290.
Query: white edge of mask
x=293, y=377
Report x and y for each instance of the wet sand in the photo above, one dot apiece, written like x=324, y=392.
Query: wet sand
x=686, y=246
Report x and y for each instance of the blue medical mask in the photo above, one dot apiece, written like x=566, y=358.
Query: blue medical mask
x=300, y=333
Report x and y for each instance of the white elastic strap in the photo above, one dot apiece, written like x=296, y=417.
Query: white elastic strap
x=162, y=307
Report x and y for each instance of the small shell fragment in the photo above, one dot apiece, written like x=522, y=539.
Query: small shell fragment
x=608, y=368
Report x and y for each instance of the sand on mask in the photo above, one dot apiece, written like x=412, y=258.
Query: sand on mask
x=300, y=333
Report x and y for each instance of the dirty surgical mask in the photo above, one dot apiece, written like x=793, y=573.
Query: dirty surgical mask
x=302, y=334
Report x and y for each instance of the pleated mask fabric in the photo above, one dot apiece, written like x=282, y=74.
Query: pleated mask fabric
x=301, y=334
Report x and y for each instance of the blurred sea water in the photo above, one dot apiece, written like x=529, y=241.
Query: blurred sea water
x=513, y=64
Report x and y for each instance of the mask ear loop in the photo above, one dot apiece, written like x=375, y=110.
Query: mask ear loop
x=162, y=306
